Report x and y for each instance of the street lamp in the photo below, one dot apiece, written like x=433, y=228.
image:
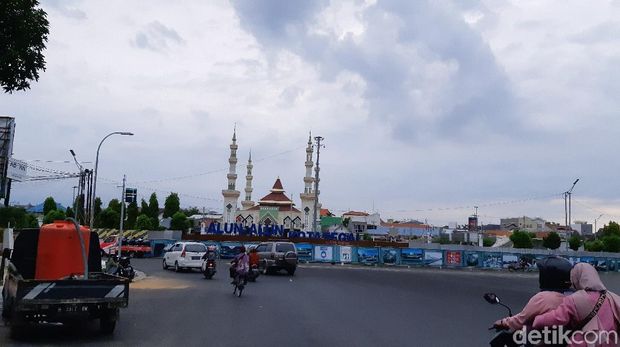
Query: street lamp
x=596, y=220
x=92, y=201
x=567, y=209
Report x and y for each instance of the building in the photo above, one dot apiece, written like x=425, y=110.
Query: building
x=583, y=228
x=275, y=208
x=524, y=224
x=361, y=222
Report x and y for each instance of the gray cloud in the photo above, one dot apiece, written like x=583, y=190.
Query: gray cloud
x=65, y=8
x=157, y=37
x=402, y=42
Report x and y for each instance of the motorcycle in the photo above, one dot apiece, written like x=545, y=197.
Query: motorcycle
x=521, y=266
x=120, y=267
x=503, y=338
x=208, y=268
x=253, y=273
x=238, y=282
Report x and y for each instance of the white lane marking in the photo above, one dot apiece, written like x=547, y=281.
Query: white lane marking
x=36, y=291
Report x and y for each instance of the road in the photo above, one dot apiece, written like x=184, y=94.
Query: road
x=321, y=305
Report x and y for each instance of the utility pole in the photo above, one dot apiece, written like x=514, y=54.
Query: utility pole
x=120, y=233
x=316, y=181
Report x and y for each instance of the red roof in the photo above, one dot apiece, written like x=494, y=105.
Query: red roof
x=282, y=208
x=355, y=213
x=275, y=197
x=404, y=225
x=277, y=185
x=325, y=212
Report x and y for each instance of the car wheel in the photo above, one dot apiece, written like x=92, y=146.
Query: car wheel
x=176, y=266
x=291, y=272
x=164, y=265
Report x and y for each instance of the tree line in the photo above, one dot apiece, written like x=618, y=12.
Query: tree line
x=606, y=239
x=143, y=217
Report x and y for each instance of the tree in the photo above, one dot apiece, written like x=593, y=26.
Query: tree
x=132, y=215
x=54, y=215
x=610, y=229
x=115, y=205
x=153, y=210
x=487, y=242
x=97, y=211
x=179, y=222
x=23, y=34
x=190, y=211
x=48, y=205
x=552, y=241
x=143, y=222
x=110, y=219
x=17, y=217
x=172, y=205
x=594, y=246
x=70, y=213
x=574, y=242
x=611, y=243
x=521, y=239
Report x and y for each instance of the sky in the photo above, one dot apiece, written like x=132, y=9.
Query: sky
x=427, y=108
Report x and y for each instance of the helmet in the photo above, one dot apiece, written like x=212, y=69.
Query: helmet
x=554, y=273
x=211, y=248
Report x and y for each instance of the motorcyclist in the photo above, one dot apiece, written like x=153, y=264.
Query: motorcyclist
x=241, y=265
x=554, y=281
x=211, y=254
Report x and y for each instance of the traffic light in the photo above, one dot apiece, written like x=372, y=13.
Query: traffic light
x=131, y=195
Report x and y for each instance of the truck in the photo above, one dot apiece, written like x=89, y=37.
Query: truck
x=54, y=275
x=134, y=248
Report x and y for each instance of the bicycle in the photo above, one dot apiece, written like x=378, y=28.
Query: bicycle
x=239, y=283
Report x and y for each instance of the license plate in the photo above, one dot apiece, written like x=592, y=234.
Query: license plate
x=195, y=258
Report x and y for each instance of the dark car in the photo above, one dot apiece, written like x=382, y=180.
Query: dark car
x=276, y=256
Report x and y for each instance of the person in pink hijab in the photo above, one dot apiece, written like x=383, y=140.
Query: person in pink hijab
x=554, y=281
x=592, y=311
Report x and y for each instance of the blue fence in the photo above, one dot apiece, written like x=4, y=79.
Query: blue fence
x=491, y=259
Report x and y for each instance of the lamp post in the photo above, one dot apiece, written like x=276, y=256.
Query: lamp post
x=569, y=193
x=92, y=198
x=596, y=220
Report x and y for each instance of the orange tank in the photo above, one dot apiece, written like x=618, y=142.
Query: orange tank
x=59, y=253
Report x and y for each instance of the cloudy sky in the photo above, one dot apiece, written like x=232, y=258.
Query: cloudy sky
x=427, y=108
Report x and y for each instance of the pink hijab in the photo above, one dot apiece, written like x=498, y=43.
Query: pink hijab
x=585, y=278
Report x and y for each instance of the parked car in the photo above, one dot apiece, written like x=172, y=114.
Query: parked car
x=184, y=255
x=275, y=256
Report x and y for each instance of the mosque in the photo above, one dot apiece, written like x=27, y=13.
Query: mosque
x=275, y=208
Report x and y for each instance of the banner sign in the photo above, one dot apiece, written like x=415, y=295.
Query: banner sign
x=389, y=256
x=323, y=253
x=412, y=256
x=433, y=258
x=453, y=258
x=492, y=260
x=472, y=259
x=275, y=231
x=345, y=254
x=17, y=170
x=304, y=251
x=368, y=255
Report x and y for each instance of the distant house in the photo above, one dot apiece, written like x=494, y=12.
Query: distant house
x=361, y=222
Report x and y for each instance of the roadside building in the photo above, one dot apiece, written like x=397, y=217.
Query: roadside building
x=524, y=224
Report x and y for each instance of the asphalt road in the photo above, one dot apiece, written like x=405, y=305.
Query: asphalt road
x=325, y=305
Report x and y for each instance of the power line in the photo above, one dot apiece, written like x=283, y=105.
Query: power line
x=215, y=171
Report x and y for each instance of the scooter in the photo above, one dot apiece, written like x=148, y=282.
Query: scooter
x=121, y=267
x=208, y=268
x=521, y=266
x=253, y=273
x=503, y=338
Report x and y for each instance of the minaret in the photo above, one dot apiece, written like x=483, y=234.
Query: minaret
x=231, y=195
x=307, y=197
x=247, y=202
